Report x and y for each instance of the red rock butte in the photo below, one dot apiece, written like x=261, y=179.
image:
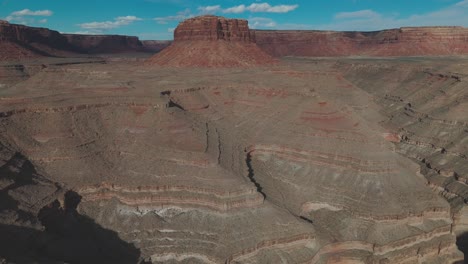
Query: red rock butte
x=212, y=41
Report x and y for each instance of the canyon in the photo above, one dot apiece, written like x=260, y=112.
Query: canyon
x=234, y=145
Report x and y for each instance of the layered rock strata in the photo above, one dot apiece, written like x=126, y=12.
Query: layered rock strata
x=210, y=41
x=425, y=106
x=257, y=165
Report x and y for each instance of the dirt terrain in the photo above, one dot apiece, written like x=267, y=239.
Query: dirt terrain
x=295, y=160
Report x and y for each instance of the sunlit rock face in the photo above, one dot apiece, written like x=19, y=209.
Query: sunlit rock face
x=211, y=41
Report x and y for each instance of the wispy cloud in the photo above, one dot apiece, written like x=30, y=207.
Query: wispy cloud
x=209, y=9
x=27, y=16
x=99, y=27
x=462, y=3
x=453, y=15
x=27, y=12
x=357, y=14
x=369, y=20
x=178, y=17
x=261, y=22
x=254, y=8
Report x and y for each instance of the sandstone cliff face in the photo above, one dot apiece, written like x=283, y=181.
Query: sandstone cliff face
x=409, y=41
x=213, y=28
x=210, y=41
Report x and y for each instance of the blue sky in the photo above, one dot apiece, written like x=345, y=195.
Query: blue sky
x=156, y=19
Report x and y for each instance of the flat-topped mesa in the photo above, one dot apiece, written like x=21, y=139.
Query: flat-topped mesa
x=211, y=41
x=4, y=22
x=405, y=41
x=213, y=28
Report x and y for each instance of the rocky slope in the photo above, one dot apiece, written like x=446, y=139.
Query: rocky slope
x=409, y=41
x=210, y=41
x=257, y=165
x=425, y=105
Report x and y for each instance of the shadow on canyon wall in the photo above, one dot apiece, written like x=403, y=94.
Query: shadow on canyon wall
x=67, y=236
x=55, y=233
x=462, y=244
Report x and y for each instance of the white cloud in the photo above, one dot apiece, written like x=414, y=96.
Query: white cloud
x=261, y=8
x=462, y=3
x=265, y=7
x=27, y=12
x=27, y=16
x=106, y=25
x=261, y=22
x=178, y=17
x=367, y=20
x=235, y=9
x=357, y=14
x=209, y=9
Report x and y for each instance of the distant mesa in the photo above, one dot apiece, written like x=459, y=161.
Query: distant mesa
x=4, y=22
x=405, y=41
x=212, y=41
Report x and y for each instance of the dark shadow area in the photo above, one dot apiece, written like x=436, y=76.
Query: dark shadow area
x=462, y=244
x=251, y=174
x=176, y=105
x=65, y=235
x=68, y=237
x=16, y=172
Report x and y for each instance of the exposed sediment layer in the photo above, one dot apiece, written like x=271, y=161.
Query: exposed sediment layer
x=210, y=41
x=186, y=167
x=426, y=108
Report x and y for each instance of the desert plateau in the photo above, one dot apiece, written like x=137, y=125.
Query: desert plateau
x=230, y=144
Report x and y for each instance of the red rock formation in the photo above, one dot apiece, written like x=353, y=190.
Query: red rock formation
x=210, y=41
x=213, y=28
x=408, y=41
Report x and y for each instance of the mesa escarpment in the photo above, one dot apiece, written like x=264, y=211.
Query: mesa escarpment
x=407, y=41
x=23, y=42
x=211, y=41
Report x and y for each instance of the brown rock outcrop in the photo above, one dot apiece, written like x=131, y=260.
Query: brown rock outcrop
x=407, y=41
x=211, y=41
